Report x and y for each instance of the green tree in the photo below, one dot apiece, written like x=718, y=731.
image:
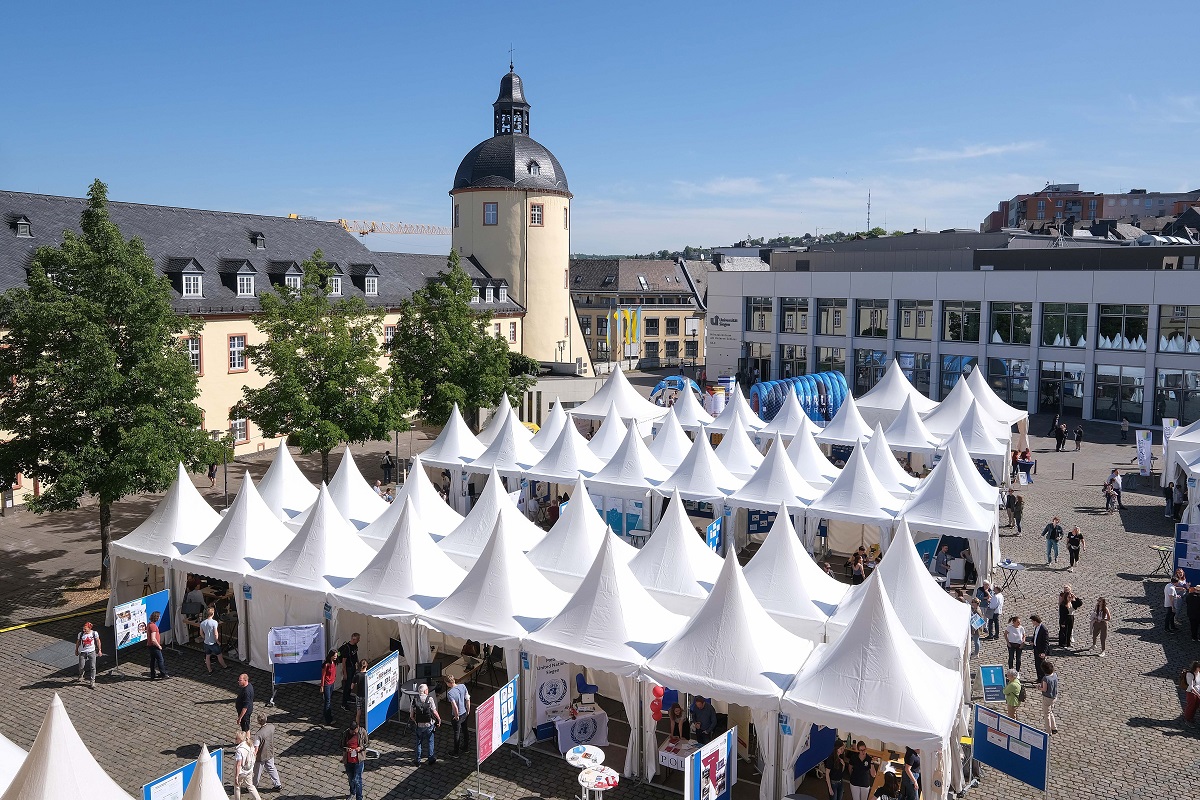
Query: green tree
x=325, y=367
x=99, y=394
x=444, y=352
x=876, y=232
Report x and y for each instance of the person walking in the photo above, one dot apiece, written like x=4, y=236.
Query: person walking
x=1169, y=497
x=996, y=609
x=212, y=475
x=1101, y=617
x=1068, y=604
x=243, y=767
x=386, y=466
x=984, y=595
x=1041, y=645
x=1192, y=604
x=1019, y=511
x=1012, y=691
x=1191, y=693
x=354, y=758
x=1124, y=429
x=460, y=708
x=348, y=654
x=1060, y=438
x=245, y=702
x=1075, y=547
x=328, y=679
x=1053, y=534
x=264, y=753
x=835, y=771
x=1078, y=437
x=154, y=646
x=210, y=635
x=1014, y=634
x=1054, y=426
x=978, y=623
x=1114, y=480
x=1170, y=595
x=422, y=713
x=1048, y=684
x=87, y=650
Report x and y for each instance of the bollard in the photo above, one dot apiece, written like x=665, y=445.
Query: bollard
x=1072, y=470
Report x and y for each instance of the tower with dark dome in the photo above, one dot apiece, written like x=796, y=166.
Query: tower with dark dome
x=512, y=215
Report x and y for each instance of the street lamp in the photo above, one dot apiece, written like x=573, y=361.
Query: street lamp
x=219, y=437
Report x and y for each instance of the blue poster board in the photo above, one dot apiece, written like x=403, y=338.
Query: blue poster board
x=130, y=619
x=296, y=653
x=383, y=697
x=759, y=522
x=711, y=772
x=712, y=534
x=1187, y=553
x=992, y=678
x=175, y=783
x=1012, y=748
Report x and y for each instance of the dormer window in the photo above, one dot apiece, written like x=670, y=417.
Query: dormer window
x=193, y=285
x=259, y=240
x=503, y=293
x=475, y=293
x=371, y=286
x=335, y=284
x=490, y=297
x=535, y=168
x=23, y=227
x=245, y=285
x=293, y=282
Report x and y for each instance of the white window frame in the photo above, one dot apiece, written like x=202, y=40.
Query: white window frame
x=503, y=294
x=237, y=353
x=389, y=334
x=537, y=212
x=371, y=286
x=490, y=295
x=496, y=330
x=293, y=282
x=335, y=285
x=192, y=345
x=512, y=332
x=245, y=285
x=239, y=429
x=494, y=208
x=193, y=285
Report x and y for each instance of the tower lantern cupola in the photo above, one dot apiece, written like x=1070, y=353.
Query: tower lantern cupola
x=512, y=112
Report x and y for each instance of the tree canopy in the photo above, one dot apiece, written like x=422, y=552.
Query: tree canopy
x=444, y=352
x=99, y=395
x=325, y=367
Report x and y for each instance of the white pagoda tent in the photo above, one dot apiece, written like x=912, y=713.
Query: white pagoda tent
x=433, y=516
x=670, y=444
x=737, y=415
x=788, y=420
x=468, y=540
x=948, y=415
x=701, y=476
x=454, y=445
x=178, y=523
x=1183, y=439
x=776, y=481
x=247, y=538
x=284, y=488
x=570, y=546
x=551, y=426
x=882, y=404
x=325, y=554
x=353, y=497
x=206, y=781
x=980, y=438
x=12, y=757
x=616, y=394
x=631, y=471
x=60, y=766
x=984, y=493
x=689, y=412
x=857, y=508
x=944, y=506
x=998, y=409
x=846, y=428
x=408, y=576
x=500, y=413
x=885, y=466
x=779, y=575
x=510, y=453
x=675, y=565
x=738, y=453
x=566, y=459
x=606, y=440
x=812, y=464
x=908, y=434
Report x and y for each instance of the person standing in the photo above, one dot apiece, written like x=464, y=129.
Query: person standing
x=1078, y=437
x=245, y=702
x=360, y=693
x=1053, y=534
x=984, y=595
x=154, y=645
x=1010, y=502
x=1114, y=480
x=1018, y=511
x=1012, y=691
x=1060, y=438
x=212, y=475
x=835, y=771
x=1170, y=595
x=704, y=720
x=1169, y=497
x=460, y=708
x=210, y=635
x=87, y=649
x=386, y=465
x=942, y=563
x=243, y=767
x=1101, y=617
x=996, y=606
x=1075, y=547
x=422, y=713
x=1124, y=429
x=348, y=655
x=328, y=679
x=1014, y=634
x=1192, y=603
x=354, y=758
x=1068, y=603
x=264, y=753
x=862, y=772
x=910, y=778
x=1041, y=645
x=978, y=623
x=1049, y=687
x=1054, y=426
x=1192, y=693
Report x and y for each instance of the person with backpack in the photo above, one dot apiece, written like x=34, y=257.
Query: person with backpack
x=1014, y=692
x=354, y=758
x=423, y=712
x=243, y=767
x=1189, y=682
x=386, y=466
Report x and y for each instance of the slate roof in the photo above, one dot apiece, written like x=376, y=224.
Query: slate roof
x=502, y=162
x=661, y=276
x=218, y=243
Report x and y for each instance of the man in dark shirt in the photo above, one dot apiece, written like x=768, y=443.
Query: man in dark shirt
x=360, y=693
x=910, y=779
x=348, y=655
x=704, y=720
x=1041, y=644
x=245, y=702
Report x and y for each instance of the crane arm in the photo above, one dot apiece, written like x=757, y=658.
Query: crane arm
x=362, y=228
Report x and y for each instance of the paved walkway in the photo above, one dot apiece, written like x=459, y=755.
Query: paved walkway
x=1121, y=735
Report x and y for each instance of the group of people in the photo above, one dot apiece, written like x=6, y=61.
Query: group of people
x=1176, y=498
x=1179, y=597
x=860, y=770
x=1053, y=534
x=1058, y=430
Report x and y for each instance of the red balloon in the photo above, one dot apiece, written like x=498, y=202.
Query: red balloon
x=657, y=715
x=658, y=691
x=656, y=705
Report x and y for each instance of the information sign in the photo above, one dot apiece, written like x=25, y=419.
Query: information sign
x=383, y=699
x=130, y=619
x=495, y=721
x=173, y=785
x=296, y=652
x=711, y=772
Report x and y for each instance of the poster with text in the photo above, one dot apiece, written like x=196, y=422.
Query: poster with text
x=495, y=721
x=1144, y=440
x=174, y=784
x=296, y=652
x=711, y=772
x=553, y=693
x=383, y=699
x=130, y=619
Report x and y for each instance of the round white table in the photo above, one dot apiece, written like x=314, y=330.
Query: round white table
x=584, y=755
x=597, y=780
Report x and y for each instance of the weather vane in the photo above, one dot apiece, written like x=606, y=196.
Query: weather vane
x=510, y=58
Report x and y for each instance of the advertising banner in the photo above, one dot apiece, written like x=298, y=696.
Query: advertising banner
x=712, y=534
x=383, y=698
x=130, y=619
x=495, y=721
x=711, y=772
x=173, y=785
x=634, y=511
x=614, y=508
x=1144, y=440
x=1012, y=748
x=296, y=652
x=553, y=694
x=1187, y=552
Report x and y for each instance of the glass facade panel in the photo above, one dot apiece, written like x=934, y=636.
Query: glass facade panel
x=953, y=368
x=960, y=320
x=872, y=316
x=914, y=319
x=915, y=367
x=793, y=360
x=1119, y=393
x=1123, y=327
x=831, y=359
x=1178, y=329
x=1012, y=323
x=869, y=366
x=1177, y=394
x=831, y=316
x=755, y=366
x=1064, y=324
x=793, y=315
x=1060, y=390
x=1009, y=378
x=760, y=314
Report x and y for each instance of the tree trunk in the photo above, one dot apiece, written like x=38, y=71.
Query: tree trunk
x=105, y=519
x=325, y=466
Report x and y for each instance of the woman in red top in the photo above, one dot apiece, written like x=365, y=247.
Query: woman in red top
x=328, y=678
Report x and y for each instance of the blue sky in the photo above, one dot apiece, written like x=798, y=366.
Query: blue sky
x=677, y=123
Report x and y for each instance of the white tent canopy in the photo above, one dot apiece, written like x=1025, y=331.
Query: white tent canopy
x=247, y=538
x=606, y=440
x=433, y=515
x=206, y=781
x=454, y=444
x=944, y=506
x=60, y=766
x=618, y=395
x=510, y=453
x=775, y=481
x=875, y=681
x=178, y=523
x=908, y=434
x=883, y=463
x=567, y=458
x=806, y=456
x=12, y=757
x=778, y=576
x=738, y=453
x=701, y=476
x=788, y=419
x=353, y=497
x=326, y=553
x=670, y=444
x=284, y=488
x=993, y=405
x=1184, y=438
x=737, y=415
x=500, y=413
x=856, y=497
x=986, y=494
x=631, y=471
x=690, y=413
x=847, y=426
x=883, y=403
x=979, y=437
x=468, y=540
x=548, y=431
x=569, y=548
x=675, y=566
x=945, y=419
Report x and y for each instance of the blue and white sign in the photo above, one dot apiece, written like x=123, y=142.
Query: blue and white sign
x=992, y=678
x=711, y=772
x=296, y=652
x=712, y=534
x=383, y=699
x=173, y=785
x=1187, y=552
x=1012, y=748
x=130, y=619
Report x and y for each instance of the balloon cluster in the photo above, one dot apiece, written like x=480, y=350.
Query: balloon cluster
x=656, y=703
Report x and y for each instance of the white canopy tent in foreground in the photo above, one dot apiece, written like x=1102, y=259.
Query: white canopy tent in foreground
x=883, y=403
x=675, y=565
x=11, y=759
x=998, y=409
x=353, y=497
x=284, y=488
x=617, y=395
x=944, y=506
x=454, y=445
x=206, y=781
x=468, y=540
x=566, y=459
x=60, y=766
x=806, y=456
x=859, y=510
x=984, y=493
